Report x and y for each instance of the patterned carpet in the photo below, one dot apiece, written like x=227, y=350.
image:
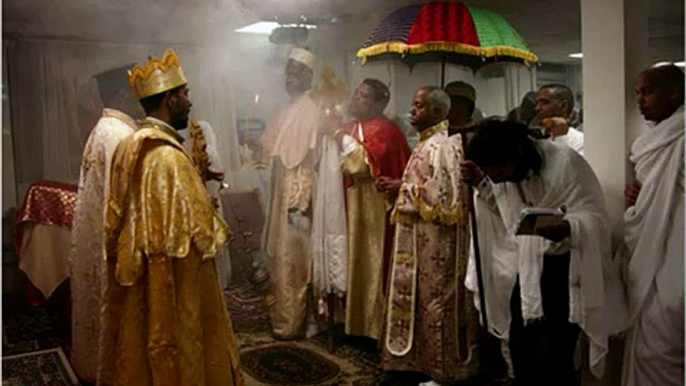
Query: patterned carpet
x=266, y=362
x=357, y=359
x=47, y=367
x=31, y=330
x=247, y=312
x=288, y=365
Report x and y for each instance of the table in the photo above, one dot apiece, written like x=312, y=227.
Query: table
x=43, y=236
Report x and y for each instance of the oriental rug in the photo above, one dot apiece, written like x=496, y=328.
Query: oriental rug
x=38, y=368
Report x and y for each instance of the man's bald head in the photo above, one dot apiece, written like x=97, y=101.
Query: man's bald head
x=660, y=92
x=430, y=106
x=438, y=98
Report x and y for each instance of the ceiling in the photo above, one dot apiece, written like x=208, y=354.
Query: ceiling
x=552, y=28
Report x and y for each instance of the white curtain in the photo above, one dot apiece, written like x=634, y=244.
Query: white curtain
x=518, y=81
x=54, y=101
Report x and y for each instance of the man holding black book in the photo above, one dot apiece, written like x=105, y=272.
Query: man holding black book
x=545, y=285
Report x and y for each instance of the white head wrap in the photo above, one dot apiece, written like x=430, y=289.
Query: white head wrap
x=303, y=56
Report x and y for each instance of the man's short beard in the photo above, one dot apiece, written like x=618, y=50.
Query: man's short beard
x=179, y=123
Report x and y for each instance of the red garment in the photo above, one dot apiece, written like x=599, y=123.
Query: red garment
x=387, y=154
x=385, y=144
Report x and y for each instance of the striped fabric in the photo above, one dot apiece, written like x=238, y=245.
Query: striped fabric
x=493, y=30
x=444, y=22
x=395, y=27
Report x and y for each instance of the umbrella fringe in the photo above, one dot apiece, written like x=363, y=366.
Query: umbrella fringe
x=459, y=48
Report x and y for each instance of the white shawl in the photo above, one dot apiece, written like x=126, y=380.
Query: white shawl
x=659, y=158
x=330, y=234
x=566, y=180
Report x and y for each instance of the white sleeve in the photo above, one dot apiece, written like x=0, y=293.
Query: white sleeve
x=212, y=153
x=560, y=248
x=349, y=144
x=574, y=139
x=485, y=192
x=577, y=140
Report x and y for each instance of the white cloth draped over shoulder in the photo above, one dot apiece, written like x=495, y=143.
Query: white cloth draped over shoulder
x=654, y=253
x=565, y=180
x=574, y=139
x=329, y=226
x=293, y=134
x=659, y=157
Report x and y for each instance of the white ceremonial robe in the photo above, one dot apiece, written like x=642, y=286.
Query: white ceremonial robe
x=87, y=257
x=329, y=226
x=654, y=251
x=566, y=180
x=574, y=139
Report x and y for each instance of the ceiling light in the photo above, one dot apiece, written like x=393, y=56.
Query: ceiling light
x=577, y=55
x=678, y=64
x=266, y=27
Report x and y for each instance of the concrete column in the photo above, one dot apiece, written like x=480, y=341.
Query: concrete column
x=614, y=35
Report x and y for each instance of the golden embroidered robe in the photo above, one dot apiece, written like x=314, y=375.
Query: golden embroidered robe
x=173, y=327
x=376, y=148
x=431, y=324
x=291, y=145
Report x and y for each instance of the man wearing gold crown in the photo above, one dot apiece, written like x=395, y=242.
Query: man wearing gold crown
x=162, y=233
x=290, y=143
x=87, y=258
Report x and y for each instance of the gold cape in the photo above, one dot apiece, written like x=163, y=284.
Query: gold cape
x=162, y=233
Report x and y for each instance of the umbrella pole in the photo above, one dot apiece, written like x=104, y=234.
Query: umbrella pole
x=330, y=305
x=475, y=237
x=443, y=72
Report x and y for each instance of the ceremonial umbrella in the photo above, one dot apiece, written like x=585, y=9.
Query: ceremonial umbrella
x=446, y=32
x=454, y=33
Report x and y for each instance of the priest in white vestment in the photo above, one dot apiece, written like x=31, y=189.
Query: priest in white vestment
x=431, y=326
x=87, y=258
x=291, y=144
x=654, y=235
x=541, y=290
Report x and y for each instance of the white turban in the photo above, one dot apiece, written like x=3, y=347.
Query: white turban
x=303, y=56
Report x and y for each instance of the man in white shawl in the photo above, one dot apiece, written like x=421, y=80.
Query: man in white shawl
x=540, y=289
x=87, y=258
x=554, y=106
x=654, y=235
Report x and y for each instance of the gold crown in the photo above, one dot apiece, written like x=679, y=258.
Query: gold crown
x=157, y=76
